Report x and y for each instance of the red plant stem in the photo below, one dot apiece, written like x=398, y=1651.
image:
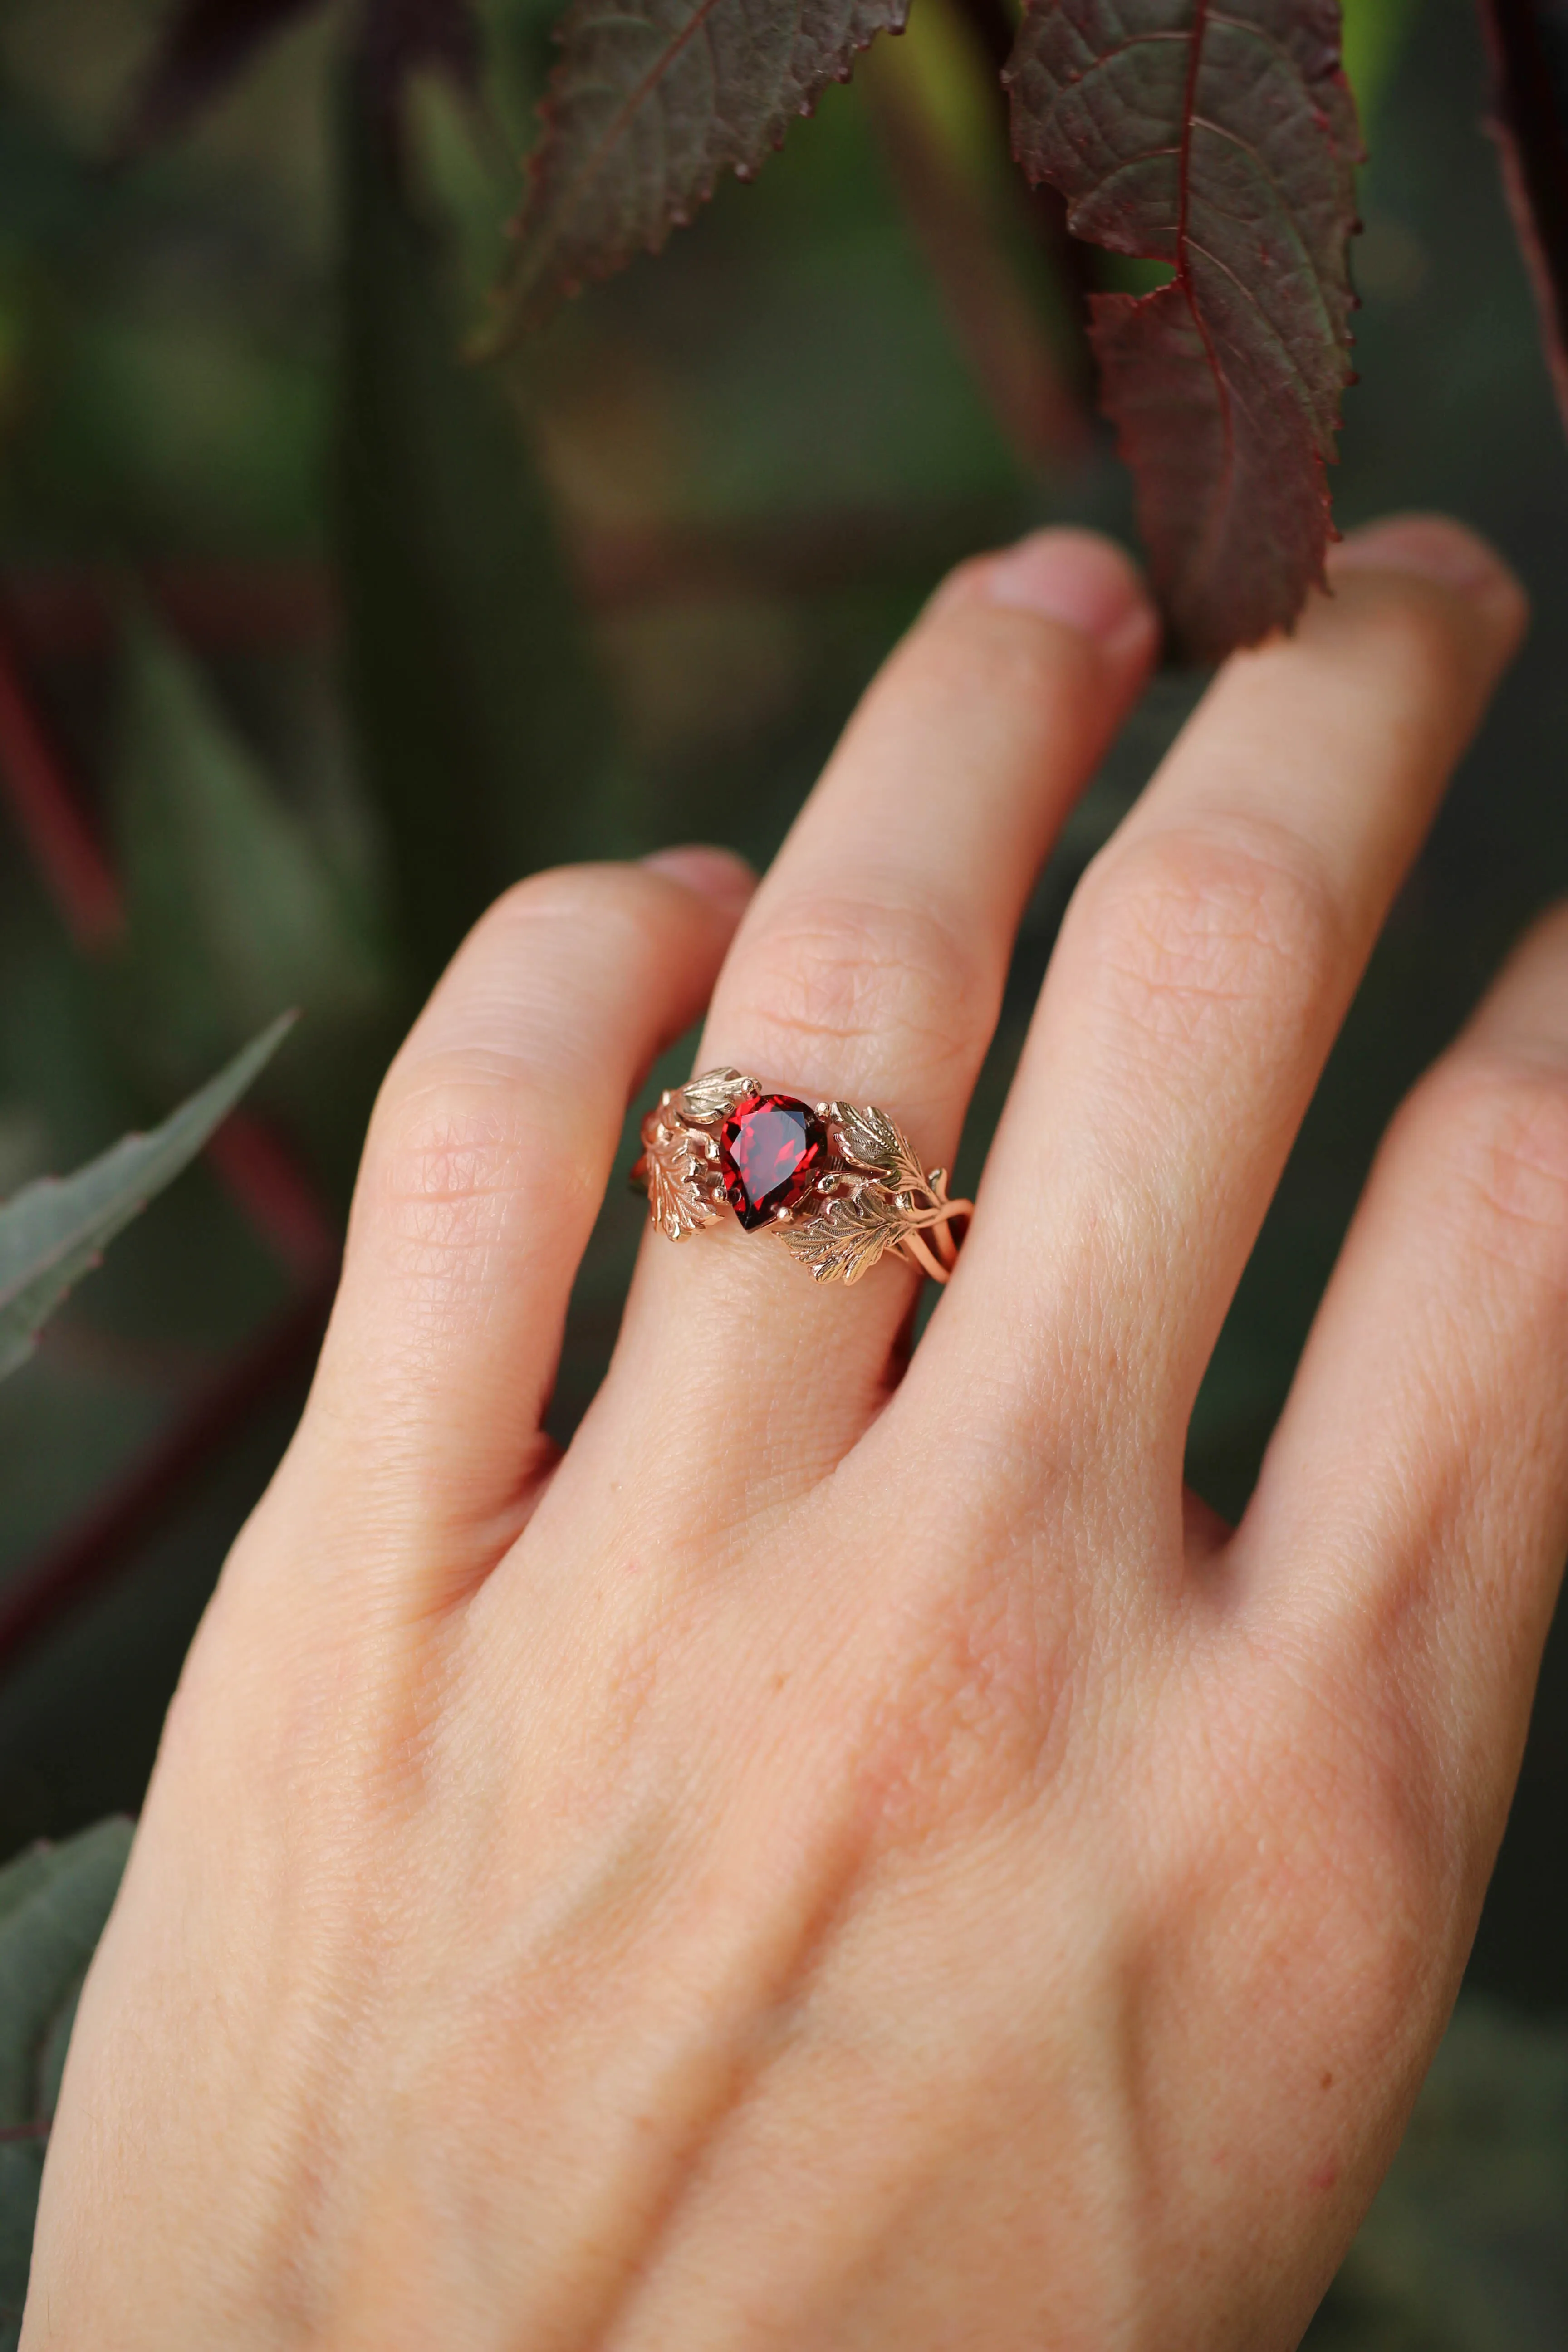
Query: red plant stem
x=276, y=1194
x=246, y=608
x=258, y=1168
x=89, y=1552
x=994, y=29
x=256, y=1165
x=220, y=607
x=1530, y=123
x=64, y=848
x=1035, y=404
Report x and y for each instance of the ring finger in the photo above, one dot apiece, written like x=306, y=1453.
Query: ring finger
x=871, y=963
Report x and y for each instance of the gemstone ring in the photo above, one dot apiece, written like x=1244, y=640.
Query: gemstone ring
x=838, y=1180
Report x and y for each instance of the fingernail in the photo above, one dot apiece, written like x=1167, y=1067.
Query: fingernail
x=1431, y=548
x=1073, y=576
x=712, y=873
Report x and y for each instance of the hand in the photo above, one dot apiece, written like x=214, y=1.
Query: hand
x=836, y=1861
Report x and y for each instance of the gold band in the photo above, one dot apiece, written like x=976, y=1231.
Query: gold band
x=838, y=1180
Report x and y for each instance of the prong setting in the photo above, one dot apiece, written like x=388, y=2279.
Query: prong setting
x=723, y=1140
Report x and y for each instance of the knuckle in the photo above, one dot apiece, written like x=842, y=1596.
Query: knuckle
x=1383, y=1887
x=1387, y=1837
x=463, y=1164
x=843, y=975
x=453, y=1167
x=967, y=1720
x=568, y=897
x=1498, y=1132
x=450, y=1145
x=1189, y=930
x=1343, y=1818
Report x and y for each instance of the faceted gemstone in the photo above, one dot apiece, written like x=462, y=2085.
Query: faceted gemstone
x=772, y=1149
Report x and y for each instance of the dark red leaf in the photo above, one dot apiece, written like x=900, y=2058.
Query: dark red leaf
x=1529, y=40
x=1224, y=144
x=650, y=102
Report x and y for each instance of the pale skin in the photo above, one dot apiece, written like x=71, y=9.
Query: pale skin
x=842, y=1861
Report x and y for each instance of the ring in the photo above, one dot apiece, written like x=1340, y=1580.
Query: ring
x=838, y=1180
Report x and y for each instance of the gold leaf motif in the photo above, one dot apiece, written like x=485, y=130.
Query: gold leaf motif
x=852, y=1233
x=676, y=1203
x=871, y=1140
x=714, y=1095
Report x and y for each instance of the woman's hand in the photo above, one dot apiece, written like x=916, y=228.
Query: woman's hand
x=836, y=1861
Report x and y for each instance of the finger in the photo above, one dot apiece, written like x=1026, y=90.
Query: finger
x=1204, y=967
x=871, y=963
x=484, y=1169
x=1415, y=1499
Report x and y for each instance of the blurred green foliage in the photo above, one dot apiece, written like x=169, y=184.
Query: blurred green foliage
x=1465, y=2249
x=53, y=1904
x=56, y=1229
x=334, y=636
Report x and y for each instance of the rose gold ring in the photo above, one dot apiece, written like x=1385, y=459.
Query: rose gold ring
x=838, y=1180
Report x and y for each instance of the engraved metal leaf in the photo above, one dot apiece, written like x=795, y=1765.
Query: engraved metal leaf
x=675, y=1202
x=873, y=1141
x=845, y=1240
x=714, y=1095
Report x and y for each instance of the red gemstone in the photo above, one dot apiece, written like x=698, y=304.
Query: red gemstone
x=772, y=1149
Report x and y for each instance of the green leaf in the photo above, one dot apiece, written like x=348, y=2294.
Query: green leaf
x=52, y=1233
x=54, y=1901
x=232, y=911
x=481, y=720
x=1376, y=34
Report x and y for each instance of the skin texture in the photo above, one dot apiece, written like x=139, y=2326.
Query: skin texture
x=842, y=1861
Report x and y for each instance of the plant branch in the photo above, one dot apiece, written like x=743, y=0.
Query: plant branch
x=60, y=614
x=1038, y=405
x=87, y=1554
x=260, y=1172
x=993, y=28
x=56, y=613
x=64, y=848
x=276, y=1194
x=256, y=1166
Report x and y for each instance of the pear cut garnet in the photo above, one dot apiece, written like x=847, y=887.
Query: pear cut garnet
x=772, y=1149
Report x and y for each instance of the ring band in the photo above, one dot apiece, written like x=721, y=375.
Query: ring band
x=838, y=1180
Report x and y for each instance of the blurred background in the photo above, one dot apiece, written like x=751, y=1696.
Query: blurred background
x=312, y=635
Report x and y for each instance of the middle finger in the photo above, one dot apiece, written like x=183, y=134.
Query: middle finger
x=1202, y=974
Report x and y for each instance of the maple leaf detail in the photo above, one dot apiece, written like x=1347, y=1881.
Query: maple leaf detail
x=714, y=1095
x=850, y=1237
x=1225, y=143
x=650, y=102
x=871, y=1140
x=677, y=1201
